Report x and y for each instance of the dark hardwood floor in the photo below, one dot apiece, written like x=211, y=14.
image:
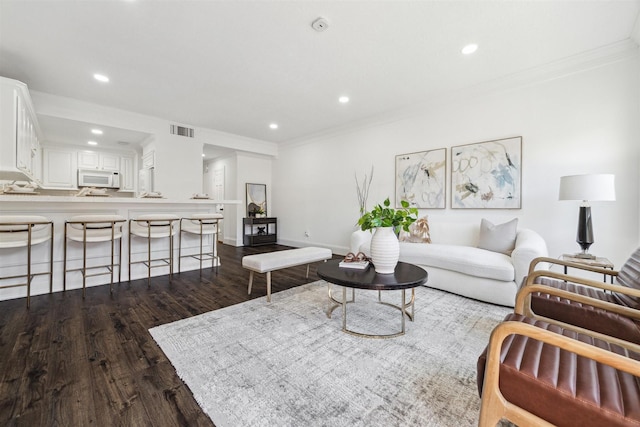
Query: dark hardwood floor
x=73, y=362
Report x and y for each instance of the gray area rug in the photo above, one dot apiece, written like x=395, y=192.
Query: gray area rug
x=287, y=364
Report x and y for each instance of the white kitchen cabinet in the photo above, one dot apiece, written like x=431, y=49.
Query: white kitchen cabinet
x=149, y=160
x=88, y=160
x=20, y=134
x=127, y=174
x=109, y=162
x=37, y=162
x=59, y=168
x=99, y=161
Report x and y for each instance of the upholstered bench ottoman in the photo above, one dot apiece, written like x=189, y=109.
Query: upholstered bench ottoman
x=272, y=261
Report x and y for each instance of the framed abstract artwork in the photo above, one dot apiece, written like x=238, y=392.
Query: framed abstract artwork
x=487, y=175
x=421, y=179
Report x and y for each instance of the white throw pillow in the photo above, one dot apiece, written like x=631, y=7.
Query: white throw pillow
x=498, y=238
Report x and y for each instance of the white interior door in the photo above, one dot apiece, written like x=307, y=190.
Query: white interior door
x=218, y=194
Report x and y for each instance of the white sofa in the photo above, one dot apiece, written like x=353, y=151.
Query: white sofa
x=455, y=263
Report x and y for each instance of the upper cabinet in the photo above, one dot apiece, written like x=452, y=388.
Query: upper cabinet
x=127, y=174
x=99, y=161
x=59, y=168
x=149, y=160
x=20, y=135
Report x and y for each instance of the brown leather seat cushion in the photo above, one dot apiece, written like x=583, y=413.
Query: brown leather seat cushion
x=585, y=316
x=561, y=387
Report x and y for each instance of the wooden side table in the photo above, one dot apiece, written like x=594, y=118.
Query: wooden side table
x=597, y=262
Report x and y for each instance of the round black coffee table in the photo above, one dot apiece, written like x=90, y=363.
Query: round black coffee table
x=406, y=276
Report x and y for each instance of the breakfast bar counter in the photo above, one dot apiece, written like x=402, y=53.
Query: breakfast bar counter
x=61, y=208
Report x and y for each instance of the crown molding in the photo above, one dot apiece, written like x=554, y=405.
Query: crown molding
x=616, y=52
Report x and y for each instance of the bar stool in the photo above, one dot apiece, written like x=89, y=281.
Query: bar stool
x=17, y=231
x=201, y=224
x=94, y=229
x=153, y=226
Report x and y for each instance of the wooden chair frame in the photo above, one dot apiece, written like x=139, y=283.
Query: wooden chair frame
x=554, y=261
x=523, y=299
x=494, y=405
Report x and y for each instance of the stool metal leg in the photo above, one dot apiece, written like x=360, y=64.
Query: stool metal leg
x=64, y=265
x=180, y=247
x=24, y=237
x=201, y=247
x=215, y=260
x=84, y=260
x=51, y=261
x=96, y=229
x=120, y=257
x=29, y=265
x=170, y=251
x=129, y=269
x=113, y=244
x=149, y=256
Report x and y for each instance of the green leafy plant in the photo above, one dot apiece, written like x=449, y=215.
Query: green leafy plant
x=385, y=216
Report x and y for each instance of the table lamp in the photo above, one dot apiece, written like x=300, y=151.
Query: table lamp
x=593, y=187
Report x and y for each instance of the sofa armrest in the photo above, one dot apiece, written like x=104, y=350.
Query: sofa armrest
x=529, y=246
x=359, y=238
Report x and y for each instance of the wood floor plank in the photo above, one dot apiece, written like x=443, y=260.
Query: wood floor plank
x=74, y=362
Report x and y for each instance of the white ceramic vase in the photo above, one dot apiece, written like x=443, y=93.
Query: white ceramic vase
x=385, y=250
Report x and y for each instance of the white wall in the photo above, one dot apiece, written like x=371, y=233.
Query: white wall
x=252, y=169
x=241, y=168
x=178, y=170
x=584, y=122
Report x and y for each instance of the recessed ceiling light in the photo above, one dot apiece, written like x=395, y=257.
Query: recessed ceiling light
x=202, y=154
x=469, y=49
x=92, y=143
x=273, y=126
x=96, y=131
x=101, y=78
x=343, y=99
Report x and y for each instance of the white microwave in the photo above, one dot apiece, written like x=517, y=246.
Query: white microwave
x=98, y=178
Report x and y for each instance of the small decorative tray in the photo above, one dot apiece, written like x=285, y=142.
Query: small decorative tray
x=201, y=198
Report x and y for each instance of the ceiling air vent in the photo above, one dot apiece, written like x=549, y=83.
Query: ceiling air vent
x=182, y=131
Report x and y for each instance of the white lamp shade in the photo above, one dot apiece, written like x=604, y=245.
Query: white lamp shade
x=594, y=187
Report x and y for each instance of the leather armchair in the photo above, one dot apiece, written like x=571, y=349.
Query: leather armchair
x=538, y=373
x=585, y=303
x=538, y=370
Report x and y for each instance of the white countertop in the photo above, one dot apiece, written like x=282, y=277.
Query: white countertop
x=111, y=200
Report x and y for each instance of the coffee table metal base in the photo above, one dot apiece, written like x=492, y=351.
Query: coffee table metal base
x=403, y=308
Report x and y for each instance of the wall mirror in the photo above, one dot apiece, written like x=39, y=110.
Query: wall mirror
x=256, y=200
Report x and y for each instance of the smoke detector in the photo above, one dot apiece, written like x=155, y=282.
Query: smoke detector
x=320, y=24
